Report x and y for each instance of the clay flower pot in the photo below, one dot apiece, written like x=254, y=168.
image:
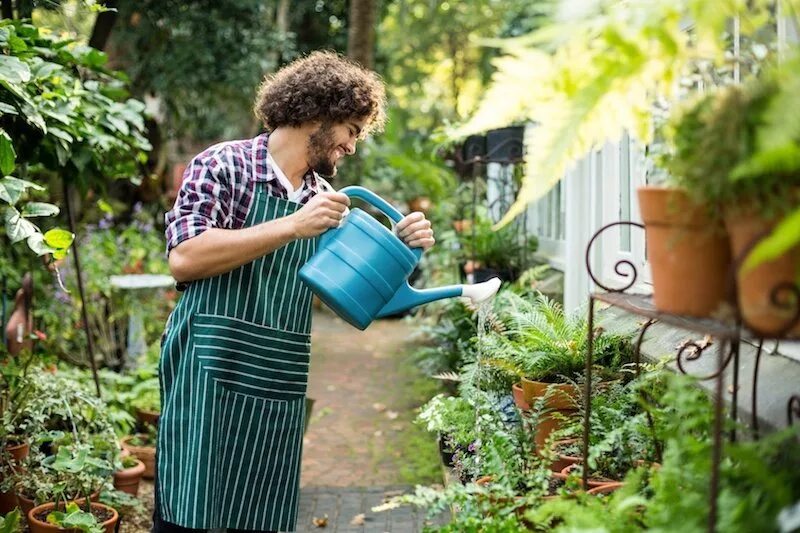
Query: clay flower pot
x=18, y=452
x=27, y=504
x=37, y=518
x=519, y=397
x=688, y=253
x=146, y=454
x=562, y=399
x=127, y=479
x=593, y=482
x=564, y=461
x=148, y=417
x=608, y=488
x=755, y=287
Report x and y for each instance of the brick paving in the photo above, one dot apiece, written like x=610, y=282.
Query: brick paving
x=348, y=509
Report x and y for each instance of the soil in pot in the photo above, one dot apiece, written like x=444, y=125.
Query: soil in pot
x=37, y=518
x=688, y=253
x=756, y=286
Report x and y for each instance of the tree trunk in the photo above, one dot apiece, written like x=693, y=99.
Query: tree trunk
x=103, y=25
x=361, y=32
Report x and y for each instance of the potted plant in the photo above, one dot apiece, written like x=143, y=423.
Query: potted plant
x=735, y=152
x=452, y=418
x=128, y=475
x=147, y=401
x=502, y=253
x=49, y=518
x=547, y=348
x=143, y=447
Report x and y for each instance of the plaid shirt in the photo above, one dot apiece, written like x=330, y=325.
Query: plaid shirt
x=218, y=187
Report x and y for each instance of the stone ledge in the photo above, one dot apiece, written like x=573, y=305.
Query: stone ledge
x=779, y=376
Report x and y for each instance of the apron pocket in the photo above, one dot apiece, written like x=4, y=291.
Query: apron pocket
x=251, y=359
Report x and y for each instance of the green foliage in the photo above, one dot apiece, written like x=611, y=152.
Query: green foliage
x=10, y=523
x=62, y=112
x=204, y=60
x=107, y=249
x=545, y=344
x=449, y=415
x=591, y=74
x=504, y=249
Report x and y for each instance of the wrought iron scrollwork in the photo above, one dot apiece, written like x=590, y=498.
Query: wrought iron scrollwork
x=693, y=350
x=623, y=267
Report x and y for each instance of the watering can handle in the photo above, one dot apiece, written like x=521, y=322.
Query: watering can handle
x=354, y=191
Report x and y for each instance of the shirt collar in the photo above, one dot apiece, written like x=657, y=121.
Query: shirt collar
x=265, y=173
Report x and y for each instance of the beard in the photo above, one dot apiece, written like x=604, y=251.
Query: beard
x=320, y=148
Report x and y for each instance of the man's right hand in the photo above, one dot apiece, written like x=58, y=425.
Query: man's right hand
x=323, y=211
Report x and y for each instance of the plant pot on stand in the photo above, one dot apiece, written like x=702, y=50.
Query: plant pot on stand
x=688, y=253
x=757, y=287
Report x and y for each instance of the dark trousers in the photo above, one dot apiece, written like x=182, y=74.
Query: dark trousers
x=162, y=526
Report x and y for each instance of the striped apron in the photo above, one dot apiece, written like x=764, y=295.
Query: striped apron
x=234, y=370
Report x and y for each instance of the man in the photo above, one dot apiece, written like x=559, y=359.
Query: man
x=235, y=354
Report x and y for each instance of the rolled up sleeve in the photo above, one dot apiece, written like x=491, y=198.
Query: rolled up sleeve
x=203, y=202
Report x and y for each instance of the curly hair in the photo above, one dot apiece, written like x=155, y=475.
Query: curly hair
x=322, y=86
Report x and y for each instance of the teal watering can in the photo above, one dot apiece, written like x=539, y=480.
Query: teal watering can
x=360, y=269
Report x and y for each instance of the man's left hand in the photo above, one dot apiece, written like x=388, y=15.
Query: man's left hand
x=415, y=230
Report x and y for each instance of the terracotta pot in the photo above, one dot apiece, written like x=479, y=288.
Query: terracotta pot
x=127, y=479
x=146, y=454
x=8, y=500
x=562, y=402
x=564, y=461
x=688, y=253
x=462, y=226
x=420, y=203
x=608, y=488
x=755, y=287
x=562, y=396
x=26, y=504
x=39, y=526
x=519, y=397
x=593, y=482
x=148, y=417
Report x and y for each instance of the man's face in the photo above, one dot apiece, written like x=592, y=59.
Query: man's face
x=331, y=142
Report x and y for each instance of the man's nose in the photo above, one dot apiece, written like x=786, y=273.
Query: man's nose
x=350, y=147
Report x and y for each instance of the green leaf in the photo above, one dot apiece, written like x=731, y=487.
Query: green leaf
x=8, y=156
x=6, y=109
x=13, y=70
x=11, y=188
x=785, y=236
x=17, y=228
x=105, y=207
x=38, y=246
x=39, y=209
x=59, y=238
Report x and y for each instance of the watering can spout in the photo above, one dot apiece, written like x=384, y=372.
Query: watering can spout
x=407, y=296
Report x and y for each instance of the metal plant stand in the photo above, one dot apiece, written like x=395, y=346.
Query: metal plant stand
x=729, y=333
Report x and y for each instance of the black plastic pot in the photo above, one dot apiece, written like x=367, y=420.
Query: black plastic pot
x=446, y=452
x=485, y=274
x=505, y=145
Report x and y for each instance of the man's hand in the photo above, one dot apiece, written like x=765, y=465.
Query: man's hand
x=323, y=211
x=415, y=230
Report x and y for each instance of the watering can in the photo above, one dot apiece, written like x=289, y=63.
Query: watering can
x=360, y=269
